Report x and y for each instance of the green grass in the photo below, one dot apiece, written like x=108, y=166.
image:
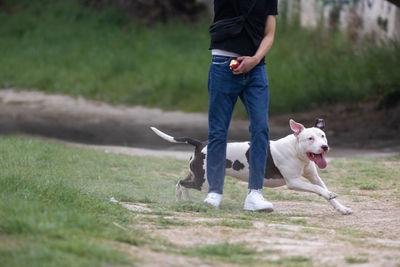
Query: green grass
x=294, y=261
x=353, y=260
x=63, y=47
x=163, y=222
x=232, y=224
x=55, y=208
x=55, y=204
x=188, y=206
x=364, y=174
x=354, y=233
x=234, y=253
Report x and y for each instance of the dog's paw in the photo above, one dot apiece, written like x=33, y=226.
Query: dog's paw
x=345, y=211
x=331, y=195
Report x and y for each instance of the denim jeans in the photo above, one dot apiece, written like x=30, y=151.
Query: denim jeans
x=224, y=89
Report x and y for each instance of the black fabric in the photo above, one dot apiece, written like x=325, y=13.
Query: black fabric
x=245, y=42
x=224, y=29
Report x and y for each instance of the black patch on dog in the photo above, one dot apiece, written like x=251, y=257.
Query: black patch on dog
x=192, y=141
x=271, y=171
x=188, y=182
x=237, y=165
x=196, y=178
x=228, y=164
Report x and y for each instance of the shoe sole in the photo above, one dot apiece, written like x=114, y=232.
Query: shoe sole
x=266, y=209
x=212, y=205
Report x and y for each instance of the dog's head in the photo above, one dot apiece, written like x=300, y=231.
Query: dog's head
x=312, y=141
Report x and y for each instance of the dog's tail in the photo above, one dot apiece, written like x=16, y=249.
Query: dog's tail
x=172, y=139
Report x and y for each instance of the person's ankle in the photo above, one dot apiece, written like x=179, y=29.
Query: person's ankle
x=255, y=190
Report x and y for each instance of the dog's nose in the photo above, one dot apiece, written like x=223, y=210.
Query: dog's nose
x=325, y=147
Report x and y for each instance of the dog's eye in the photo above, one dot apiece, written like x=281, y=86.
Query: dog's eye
x=323, y=136
x=310, y=138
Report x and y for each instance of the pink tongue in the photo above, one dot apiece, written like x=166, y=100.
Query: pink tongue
x=320, y=161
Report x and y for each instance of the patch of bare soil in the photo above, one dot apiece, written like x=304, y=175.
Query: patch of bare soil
x=370, y=236
x=79, y=120
x=150, y=258
x=350, y=129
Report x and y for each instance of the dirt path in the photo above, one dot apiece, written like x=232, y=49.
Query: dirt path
x=319, y=237
x=350, y=131
x=76, y=119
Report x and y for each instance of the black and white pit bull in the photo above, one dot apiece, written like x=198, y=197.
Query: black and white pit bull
x=289, y=159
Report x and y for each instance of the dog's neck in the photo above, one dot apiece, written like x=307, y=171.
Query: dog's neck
x=300, y=154
x=292, y=141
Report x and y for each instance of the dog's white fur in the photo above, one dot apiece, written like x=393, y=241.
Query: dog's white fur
x=289, y=155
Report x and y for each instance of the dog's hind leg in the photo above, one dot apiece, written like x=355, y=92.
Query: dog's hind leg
x=181, y=193
x=178, y=191
x=185, y=193
x=190, y=182
x=183, y=186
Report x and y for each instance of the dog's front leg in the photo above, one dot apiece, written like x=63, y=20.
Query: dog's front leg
x=310, y=172
x=299, y=185
x=339, y=207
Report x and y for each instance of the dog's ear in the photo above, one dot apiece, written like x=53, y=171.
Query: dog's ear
x=296, y=127
x=319, y=123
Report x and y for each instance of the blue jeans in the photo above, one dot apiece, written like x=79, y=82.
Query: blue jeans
x=224, y=89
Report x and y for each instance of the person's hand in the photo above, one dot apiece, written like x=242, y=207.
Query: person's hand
x=246, y=65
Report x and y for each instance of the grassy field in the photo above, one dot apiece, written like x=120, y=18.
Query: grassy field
x=55, y=203
x=56, y=211
x=63, y=47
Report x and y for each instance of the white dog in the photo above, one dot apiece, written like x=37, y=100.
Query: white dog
x=289, y=159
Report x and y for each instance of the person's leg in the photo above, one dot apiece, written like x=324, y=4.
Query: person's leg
x=223, y=93
x=256, y=99
x=220, y=112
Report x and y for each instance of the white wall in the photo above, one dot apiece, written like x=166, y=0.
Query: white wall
x=379, y=19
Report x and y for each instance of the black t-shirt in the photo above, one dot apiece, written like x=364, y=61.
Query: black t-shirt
x=247, y=42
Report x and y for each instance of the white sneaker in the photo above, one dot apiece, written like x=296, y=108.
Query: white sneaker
x=213, y=199
x=256, y=202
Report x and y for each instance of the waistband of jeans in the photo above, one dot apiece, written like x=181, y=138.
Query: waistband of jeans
x=225, y=58
x=222, y=57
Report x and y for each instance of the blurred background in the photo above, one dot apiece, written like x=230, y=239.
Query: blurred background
x=334, y=58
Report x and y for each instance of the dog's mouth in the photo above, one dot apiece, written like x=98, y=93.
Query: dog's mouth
x=319, y=159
